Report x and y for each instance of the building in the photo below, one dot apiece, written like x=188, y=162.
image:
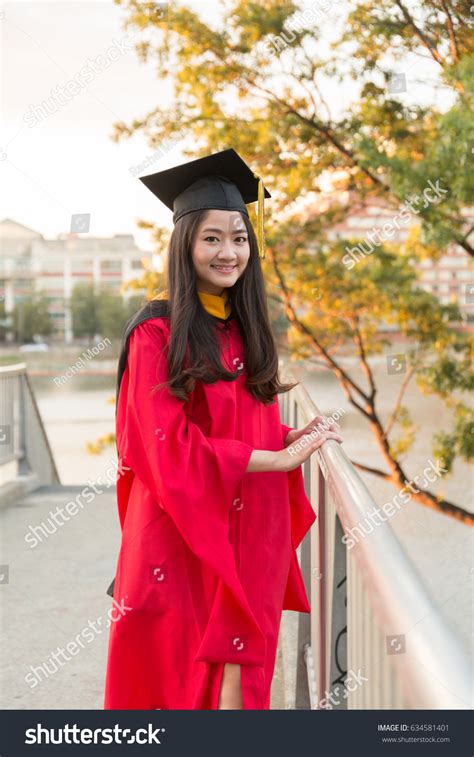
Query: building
x=30, y=263
x=450, y=278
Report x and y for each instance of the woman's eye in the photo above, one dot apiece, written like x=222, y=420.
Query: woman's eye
x=240, y=240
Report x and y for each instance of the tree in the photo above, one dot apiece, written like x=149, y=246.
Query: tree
x=4, y=319
x=30, y=318
x=255, y=81
x=112, y=313
x=101, y=311
x=83, y=304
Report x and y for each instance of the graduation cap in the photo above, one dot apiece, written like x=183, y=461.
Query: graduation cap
x=222, y=181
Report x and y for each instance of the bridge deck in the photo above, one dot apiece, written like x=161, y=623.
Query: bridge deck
x=54, y=589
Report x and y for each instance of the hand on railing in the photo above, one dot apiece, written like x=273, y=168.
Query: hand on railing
x=300, y=444
x=319, y=423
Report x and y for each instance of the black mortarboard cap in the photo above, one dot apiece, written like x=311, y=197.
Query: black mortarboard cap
x=222, y=181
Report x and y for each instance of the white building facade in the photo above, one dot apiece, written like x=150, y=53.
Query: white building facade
x=30, y=264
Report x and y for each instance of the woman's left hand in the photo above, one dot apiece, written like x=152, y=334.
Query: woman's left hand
x=319, y=423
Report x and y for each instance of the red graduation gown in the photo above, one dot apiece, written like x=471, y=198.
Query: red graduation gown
x=207, y=559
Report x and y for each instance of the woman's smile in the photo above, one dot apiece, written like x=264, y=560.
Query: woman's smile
x=225, y=269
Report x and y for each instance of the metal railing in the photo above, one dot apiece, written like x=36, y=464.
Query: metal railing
x=24, y=445
x=375, y=638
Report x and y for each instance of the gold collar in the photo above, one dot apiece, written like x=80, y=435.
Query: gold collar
x=218, y=305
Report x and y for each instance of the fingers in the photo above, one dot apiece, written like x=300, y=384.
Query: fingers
x=311, y=441
x=329, y=435
x=322, y=423
x=315, y=443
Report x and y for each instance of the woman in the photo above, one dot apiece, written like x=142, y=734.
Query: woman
x=210, y=489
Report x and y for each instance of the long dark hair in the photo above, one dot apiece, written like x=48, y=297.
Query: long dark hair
x=194, y=352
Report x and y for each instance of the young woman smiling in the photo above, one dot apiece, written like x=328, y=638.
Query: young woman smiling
x=210, y=494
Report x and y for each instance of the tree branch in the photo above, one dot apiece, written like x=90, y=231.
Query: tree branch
x=422, y=496
x=373, y=471
x=398, y=401
x=319, y=127
x=363, y=360
x=421, y=35
x=452, y=36
x=430, y=46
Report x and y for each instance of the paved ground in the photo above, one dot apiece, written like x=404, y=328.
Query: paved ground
x=53, y=591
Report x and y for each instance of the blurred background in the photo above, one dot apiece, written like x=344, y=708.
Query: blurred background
x=358, y=117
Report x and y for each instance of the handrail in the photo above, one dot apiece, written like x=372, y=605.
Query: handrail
x=13, y=370
x=434, y=670
x=27, y=446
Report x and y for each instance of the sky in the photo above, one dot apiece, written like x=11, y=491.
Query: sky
x=65, y=163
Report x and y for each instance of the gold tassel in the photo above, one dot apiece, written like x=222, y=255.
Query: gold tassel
x=260, y=218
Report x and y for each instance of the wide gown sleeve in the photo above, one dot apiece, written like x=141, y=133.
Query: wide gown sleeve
x=285, y=430
x=194, y=478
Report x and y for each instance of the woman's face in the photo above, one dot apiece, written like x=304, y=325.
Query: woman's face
x=221, y=251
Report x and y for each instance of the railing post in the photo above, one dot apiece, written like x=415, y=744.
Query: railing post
x=320, y=584
x=302, y=697
x=23, y=467
x=338, y=631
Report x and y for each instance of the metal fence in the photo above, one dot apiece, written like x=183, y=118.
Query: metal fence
x=24, y=447
x=375, y=638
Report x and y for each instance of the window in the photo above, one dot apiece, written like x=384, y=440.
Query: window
x=107, y=266
x=81, y=266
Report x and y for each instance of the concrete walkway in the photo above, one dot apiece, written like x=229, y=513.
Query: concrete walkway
x=53, y=591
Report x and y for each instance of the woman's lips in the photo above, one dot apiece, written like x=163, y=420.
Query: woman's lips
x=224, y=268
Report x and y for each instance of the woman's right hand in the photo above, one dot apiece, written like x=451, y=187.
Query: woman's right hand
x=295, y=454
